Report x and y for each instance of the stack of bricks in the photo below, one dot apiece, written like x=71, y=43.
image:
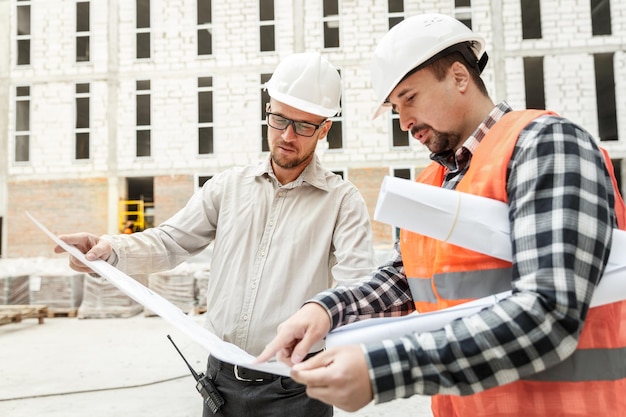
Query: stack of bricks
x=14, y=289
x=201, y=277
x=61, y=292
x=104, y=300
x=177, y=286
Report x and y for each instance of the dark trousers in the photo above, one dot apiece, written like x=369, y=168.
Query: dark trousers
x=277, y=397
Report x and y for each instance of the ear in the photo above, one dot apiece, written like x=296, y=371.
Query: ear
x=461, y=76
x=324, y=129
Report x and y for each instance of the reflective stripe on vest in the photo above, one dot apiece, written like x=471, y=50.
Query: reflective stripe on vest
x=583, y=366
x=461, y=285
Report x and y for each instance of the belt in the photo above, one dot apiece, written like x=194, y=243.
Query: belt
x=248, y=375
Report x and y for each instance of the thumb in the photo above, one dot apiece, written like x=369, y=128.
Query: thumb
x=101, y=250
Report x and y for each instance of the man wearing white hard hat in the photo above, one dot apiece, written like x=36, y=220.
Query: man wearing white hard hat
x=283, y=230
x=540, y=352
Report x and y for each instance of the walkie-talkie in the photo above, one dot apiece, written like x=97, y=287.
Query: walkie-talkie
x=204, y=385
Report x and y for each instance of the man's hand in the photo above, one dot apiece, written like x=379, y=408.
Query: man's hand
x=337, y=376
x=91, y=245
x=297, y=334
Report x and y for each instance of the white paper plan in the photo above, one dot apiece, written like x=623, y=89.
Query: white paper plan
x=377, y=329
x=477, y=223
x=222, y=350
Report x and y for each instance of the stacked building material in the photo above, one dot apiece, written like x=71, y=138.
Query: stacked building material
x=14, y=281
x=14, y=289
x=201, y=277
x=104, y=300
x=176, y=285
x=62, y=292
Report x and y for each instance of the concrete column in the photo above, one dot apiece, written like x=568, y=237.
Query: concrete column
x=298, y=25
x=5, y=95
x=112, y=107
x=497, y=54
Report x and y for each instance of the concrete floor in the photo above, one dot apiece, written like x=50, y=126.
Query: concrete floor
x=70, y=367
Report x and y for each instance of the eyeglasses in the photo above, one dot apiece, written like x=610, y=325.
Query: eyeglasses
x=301, y=128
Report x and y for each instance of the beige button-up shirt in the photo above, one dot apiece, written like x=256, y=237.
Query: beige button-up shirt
x=275, y=246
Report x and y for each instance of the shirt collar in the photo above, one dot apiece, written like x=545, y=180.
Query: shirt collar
x=457, y=161
x=314, y=174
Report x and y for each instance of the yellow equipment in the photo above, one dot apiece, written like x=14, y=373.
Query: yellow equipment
x=132, y=215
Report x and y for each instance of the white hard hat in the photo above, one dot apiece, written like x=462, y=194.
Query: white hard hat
x=413, y=42
x=308, y=82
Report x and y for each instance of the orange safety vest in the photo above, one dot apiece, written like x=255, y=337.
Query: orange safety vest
x=591, y=382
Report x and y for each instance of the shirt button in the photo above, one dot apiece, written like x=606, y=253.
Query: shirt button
x=253, y=285
x=245, y=318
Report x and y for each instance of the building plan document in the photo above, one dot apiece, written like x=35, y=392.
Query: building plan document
x=214, y=345
x=477, y=223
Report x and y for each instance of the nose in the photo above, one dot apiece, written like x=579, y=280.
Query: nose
x=289, y=133
x=406, y=121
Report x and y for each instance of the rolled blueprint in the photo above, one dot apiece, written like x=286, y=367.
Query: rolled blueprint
x=477, y=223
x=473, y=222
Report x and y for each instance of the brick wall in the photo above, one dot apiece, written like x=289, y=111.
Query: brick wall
x=171, y=193
x=63, y=206
x=368, y=181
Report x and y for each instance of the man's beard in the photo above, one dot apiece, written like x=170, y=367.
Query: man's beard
x=286, y=163
x=439, y=141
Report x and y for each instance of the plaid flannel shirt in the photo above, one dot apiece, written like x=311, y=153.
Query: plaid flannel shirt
x=560, y=208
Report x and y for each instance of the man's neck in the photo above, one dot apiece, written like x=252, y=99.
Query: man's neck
x=287, y=175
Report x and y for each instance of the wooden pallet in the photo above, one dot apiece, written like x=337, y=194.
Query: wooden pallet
x=62, y=312
x=16, y=313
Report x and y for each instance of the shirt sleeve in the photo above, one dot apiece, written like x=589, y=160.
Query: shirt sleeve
x=352, y=241
x=164, y=247
x=560, y=206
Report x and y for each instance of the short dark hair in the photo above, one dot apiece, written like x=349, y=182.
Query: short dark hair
x=441, y=66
